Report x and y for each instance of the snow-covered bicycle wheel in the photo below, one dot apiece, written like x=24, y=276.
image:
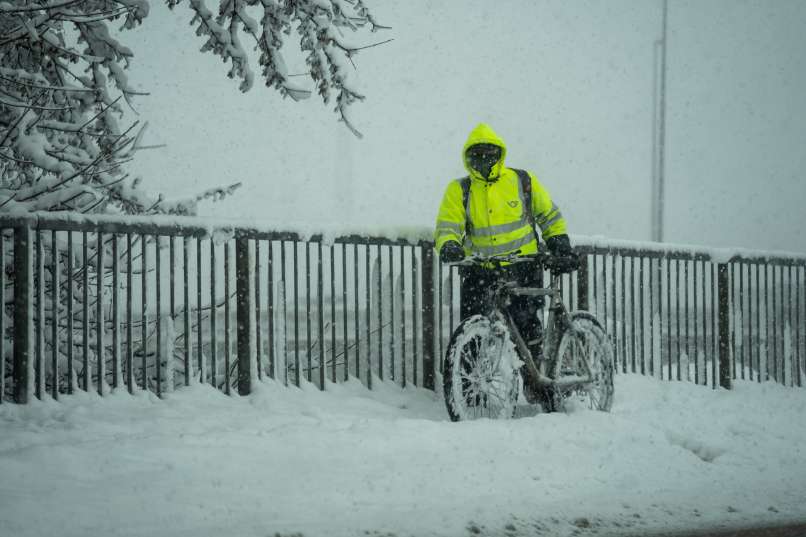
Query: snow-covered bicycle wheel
x=480, y=374
x=587, y=338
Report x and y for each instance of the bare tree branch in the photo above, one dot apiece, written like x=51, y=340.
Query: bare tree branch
x=48, y=88
x=32, y=106
x=46, y=7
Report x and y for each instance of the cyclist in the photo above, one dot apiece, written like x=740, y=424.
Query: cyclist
x=493, y=211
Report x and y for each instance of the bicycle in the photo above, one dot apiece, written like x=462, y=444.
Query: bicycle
x=487, y=351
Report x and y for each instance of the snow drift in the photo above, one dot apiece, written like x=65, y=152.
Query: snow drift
x=349, y=461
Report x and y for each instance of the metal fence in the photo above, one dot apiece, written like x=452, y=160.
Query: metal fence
x=99, y=303
x=682, y=313
x=707, y=317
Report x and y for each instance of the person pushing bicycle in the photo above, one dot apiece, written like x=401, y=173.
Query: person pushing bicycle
x=494, y=211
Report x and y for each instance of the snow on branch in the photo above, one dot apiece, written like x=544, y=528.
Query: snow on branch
x=62, y=81
x=318, y=24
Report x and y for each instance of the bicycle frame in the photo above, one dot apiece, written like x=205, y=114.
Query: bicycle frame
x=559, y=320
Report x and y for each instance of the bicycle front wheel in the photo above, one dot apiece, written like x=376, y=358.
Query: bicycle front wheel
x=586, y=340
x=480, y=373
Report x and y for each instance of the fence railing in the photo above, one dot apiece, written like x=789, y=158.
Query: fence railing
x=683, y=313
x=704, y=316
x=99, y=303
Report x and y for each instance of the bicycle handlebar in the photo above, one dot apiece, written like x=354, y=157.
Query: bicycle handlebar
x=546, y=260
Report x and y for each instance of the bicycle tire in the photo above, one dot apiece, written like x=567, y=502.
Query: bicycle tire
x=586, y=335
x=480, y=371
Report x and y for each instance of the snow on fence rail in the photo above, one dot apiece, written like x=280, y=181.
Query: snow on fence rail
x=94, y=303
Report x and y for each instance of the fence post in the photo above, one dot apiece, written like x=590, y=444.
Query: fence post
x=428, y=314
x=725, y=379
x=243, y=314
x=582, y=283
x=23, y=311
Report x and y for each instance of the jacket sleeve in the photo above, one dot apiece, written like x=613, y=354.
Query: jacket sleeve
x=547, y=215
x=451, y=217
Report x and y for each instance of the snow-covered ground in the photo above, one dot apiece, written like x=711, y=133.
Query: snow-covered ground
x=349, y=461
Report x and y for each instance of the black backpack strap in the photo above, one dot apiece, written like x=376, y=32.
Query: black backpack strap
x=465, y=183
x=526, y=190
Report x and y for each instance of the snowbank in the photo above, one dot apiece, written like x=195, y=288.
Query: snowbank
x=349, y=461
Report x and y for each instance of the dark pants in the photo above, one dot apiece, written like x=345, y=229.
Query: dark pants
x=523, y=309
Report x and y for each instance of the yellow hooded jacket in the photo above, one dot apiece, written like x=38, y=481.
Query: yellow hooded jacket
x=499, y=224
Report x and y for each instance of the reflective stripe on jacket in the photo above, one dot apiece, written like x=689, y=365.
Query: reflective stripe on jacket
x=498, y=223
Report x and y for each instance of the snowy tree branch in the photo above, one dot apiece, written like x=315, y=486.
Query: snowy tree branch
x=61, y=145
x=45, y=7
x=317, y=23
x=63, y=79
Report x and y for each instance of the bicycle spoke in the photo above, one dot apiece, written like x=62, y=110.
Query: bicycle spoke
x=593, y=401
x=479, y=383
x=501, y=400
x=473, y=379
x=500, y=357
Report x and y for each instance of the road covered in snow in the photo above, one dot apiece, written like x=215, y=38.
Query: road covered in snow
x=353, y=462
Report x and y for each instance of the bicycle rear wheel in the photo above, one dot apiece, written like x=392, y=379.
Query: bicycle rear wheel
x=586, y=339
x=480, y=373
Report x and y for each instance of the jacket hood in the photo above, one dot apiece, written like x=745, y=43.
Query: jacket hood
x=484, y=134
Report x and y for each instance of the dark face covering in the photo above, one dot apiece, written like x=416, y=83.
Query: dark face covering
x=482, y=158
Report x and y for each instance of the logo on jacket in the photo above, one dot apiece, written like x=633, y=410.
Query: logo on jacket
x=513, y=204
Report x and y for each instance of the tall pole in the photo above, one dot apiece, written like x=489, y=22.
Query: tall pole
x=659, y=187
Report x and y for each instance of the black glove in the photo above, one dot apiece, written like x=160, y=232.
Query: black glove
x=451, y=252
x=565, y=259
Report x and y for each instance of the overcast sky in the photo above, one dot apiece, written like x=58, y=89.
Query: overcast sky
x=567, y=84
